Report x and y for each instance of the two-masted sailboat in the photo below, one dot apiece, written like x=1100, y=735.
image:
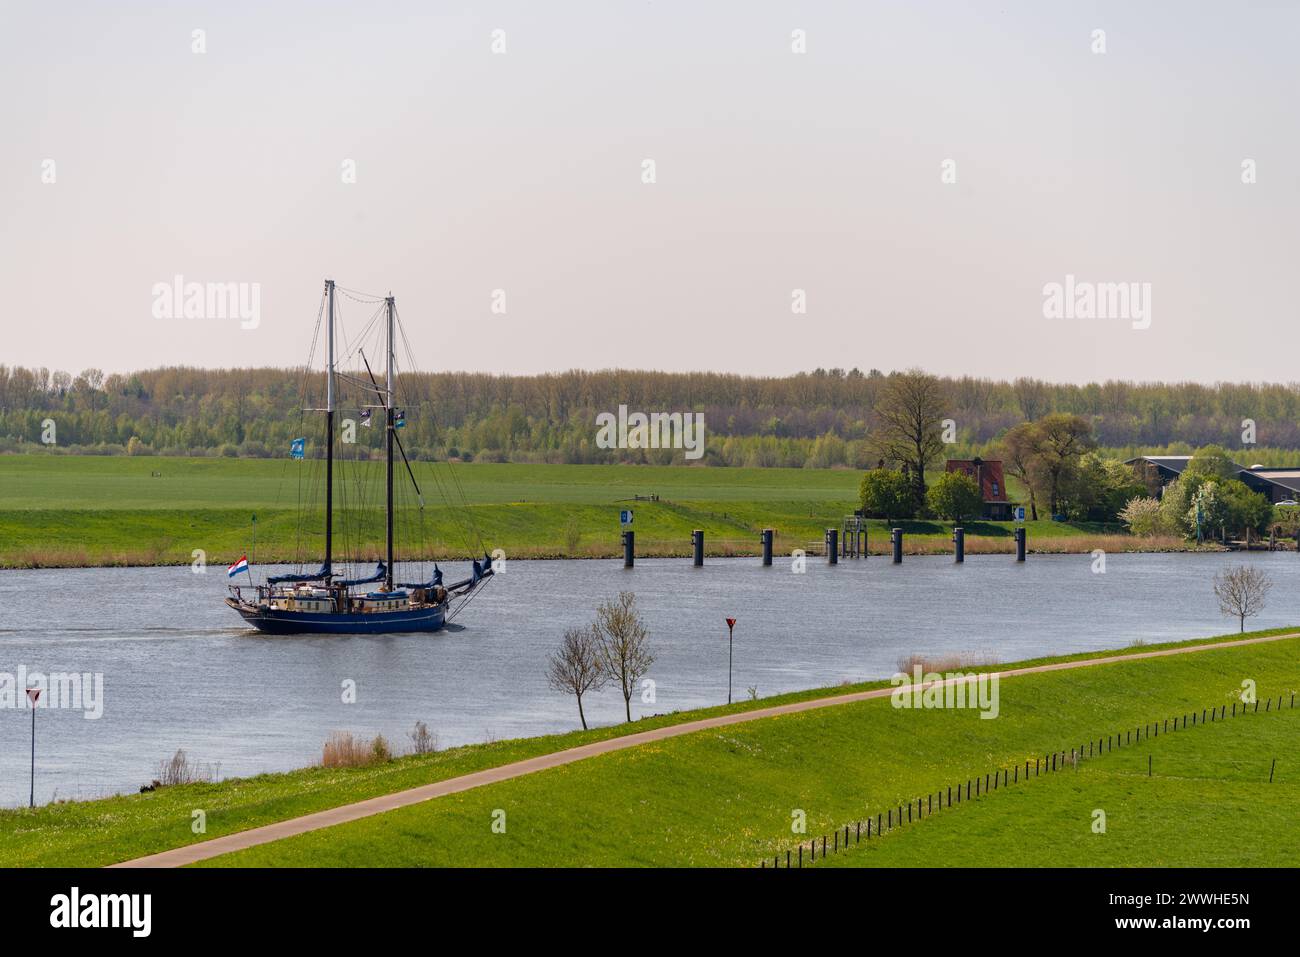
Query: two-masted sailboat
x=326, y=601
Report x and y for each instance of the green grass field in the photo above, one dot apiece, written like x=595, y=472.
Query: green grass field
x=726, y=797
x=720, y=797
x=1207, y=803
x=116, y=510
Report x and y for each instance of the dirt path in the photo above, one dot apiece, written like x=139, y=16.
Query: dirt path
x=204, y=850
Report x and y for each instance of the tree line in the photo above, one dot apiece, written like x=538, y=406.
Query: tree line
x=1058, y=462
x=825, y=418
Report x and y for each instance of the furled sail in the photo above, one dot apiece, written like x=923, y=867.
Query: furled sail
x=433, y=582
x=481, y=571
x=324, y=573
x=378, y=576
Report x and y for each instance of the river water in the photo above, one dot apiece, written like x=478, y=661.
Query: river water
x=180, y=670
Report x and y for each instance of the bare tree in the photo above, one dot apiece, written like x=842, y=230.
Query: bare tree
x=423, y=741
x=621, y=639
x=576, y=667
x=1241, y=591
x=909, y=419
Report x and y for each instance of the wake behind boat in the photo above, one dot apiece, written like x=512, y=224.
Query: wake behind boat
x=325, y=601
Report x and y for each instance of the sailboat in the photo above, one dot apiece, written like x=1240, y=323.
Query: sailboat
x=327, y=602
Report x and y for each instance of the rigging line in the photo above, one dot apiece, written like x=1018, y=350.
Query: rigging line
x=354, y=343
x=468, y=598
x=467, y=517
x=355, y=293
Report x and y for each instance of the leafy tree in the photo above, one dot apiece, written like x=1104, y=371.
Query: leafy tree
x=1176, y=510
x=1020, y=454
x=1208, y=510
x=1247, y=511
x=1100, y=488
x=886, y=494
x=1212, y=462
x=1143, y=516
x=1064, y=438
x=955, y=497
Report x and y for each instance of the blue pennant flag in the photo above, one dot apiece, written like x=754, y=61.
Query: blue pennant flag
x=297, y=447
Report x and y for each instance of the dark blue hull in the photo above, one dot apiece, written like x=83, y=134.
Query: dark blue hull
x=277, y=622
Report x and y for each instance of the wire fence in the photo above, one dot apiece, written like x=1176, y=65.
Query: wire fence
x=950, y=796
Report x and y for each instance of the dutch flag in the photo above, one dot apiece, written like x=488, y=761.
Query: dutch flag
x=239, y=566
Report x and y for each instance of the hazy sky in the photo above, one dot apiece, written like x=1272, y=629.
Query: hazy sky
x=522, y=171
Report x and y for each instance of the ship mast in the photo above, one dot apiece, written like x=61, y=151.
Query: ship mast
x=388, y=402
x=329, y=433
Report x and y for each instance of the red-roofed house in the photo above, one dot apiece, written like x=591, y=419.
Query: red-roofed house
x=987, y=474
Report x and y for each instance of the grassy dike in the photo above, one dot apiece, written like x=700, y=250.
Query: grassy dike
x=726, y=797
x=69, y=511
x=721, y=797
